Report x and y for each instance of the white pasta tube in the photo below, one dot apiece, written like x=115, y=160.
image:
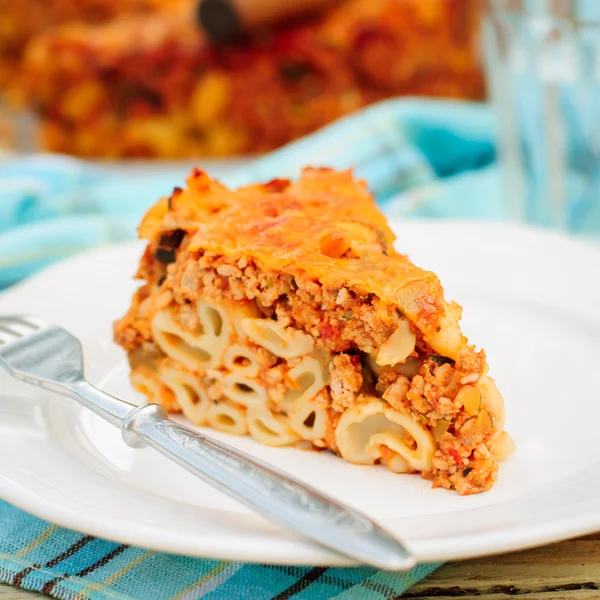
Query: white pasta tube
x=492, y=401
x=189, y=392
x=409, y=368
x=241, y=360
x=308, y=419
x=239, y=312
x=227, y=417
x=281, y=342
x=398, y=346
x=419, y=454
x=394, y=462
x=367, y=425
x=308, y=377
x=194, y=351
x=269, y=428
x=244, y=391
x=356, y=427
x=503, y=445
x=216, y=329
x=148, y=386
x=447, y=339
x=180, y=345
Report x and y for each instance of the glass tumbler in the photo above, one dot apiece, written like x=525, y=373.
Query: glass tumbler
x=543, y=68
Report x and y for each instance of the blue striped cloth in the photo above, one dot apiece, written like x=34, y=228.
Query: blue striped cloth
x=420, y=157
x=39, y=556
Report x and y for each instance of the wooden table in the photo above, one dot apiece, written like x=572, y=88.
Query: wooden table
x=566, y=571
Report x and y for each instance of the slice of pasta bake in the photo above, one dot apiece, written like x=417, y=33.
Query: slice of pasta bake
x=282, y=310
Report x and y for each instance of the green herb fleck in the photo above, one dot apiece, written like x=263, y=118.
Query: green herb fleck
x=349, y=315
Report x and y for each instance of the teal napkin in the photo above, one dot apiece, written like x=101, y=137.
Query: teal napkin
x=420, y=158
x=37, y=555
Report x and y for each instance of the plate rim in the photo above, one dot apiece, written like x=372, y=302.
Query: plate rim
x=287, y=552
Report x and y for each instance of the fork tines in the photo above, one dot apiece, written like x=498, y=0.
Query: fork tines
x=12, y=326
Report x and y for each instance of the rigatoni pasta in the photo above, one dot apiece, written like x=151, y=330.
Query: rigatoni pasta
x=270, y=428
x=282, y=311
x=189, y=392
x=228, y=417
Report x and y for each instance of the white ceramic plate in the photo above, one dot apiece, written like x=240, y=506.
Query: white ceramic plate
x=532, y=299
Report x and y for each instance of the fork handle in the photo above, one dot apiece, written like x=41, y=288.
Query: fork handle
x=266, y=490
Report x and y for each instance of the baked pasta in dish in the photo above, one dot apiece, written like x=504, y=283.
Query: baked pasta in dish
x=152, y=87
x=23, y=20
x=282, y=310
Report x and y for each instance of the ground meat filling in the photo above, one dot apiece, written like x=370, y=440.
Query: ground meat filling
x=346, y=380
x=433, y=390
x=341, y=320
x=349, y=329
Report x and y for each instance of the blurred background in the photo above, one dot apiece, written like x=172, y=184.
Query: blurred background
x=118, y=79
x=449, y=108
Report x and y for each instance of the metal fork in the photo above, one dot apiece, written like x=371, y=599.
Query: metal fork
x=50, y=357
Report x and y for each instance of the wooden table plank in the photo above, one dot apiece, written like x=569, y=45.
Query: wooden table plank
x=566, y=595
x=569, y=570
x=566, y=571
x=8, y=592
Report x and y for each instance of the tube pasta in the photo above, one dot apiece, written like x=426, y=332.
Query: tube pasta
x=240, y=359
x=367, y=425
x=270, y=335
x=227, y=417
x=189, y=392
x=239, y=312
x=216, y=328
x=323, y=357
x=492, y=401
x=244, y=391
x=193, y=351
x=408, y=368
x=308, y=377
x=177, y=343
x=269, y=428
x=355, y=428
x=308, y=419
x=394, y=462
x=155, y=391
x=398, y=346
x=448, y=340
x=419, y=457
x=148, y=386
x=504, y=445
